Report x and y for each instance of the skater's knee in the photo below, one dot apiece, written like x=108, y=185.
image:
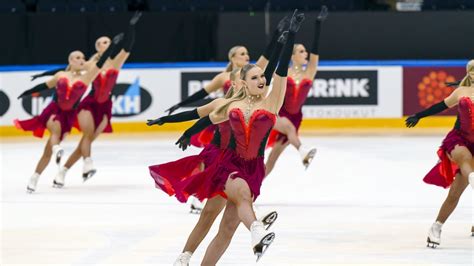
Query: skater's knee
x=88, y=136
x=461, y=155
x=244, y=196
x=289, y=128
x=209, y=214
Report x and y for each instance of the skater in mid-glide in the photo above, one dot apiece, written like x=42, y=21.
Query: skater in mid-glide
x=239, y=171
x=238, y=57
x=300, y=81
x=456, y=166
x=168, y=172
x=95, y=110
x=59, y=116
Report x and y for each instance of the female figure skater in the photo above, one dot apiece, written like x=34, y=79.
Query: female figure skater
x=238, y=173
x=59, y=116
x=238, y=57
x=290, y=116
x=95, y=110
x=220, y=142
x=456, y=165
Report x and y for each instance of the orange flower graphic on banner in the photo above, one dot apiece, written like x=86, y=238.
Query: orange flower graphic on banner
x=432, y=88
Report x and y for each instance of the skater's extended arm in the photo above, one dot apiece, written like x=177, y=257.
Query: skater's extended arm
x=51, y=72
x=121, y=52
x=412, y=120
x=199, y=112
x=273, y=58
x=264, y=59
x=42, y=86
x=448, y=102
x=275, y=98
x=314, y=55
x=216, y=83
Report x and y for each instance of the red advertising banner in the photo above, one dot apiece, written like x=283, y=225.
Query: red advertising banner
x=425, y=86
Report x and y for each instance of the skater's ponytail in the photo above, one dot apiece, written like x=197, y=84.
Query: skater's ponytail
x=466, y=81
x=230, y=55
x=233, y=77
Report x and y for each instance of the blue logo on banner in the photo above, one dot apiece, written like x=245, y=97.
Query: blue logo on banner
x=130, y=99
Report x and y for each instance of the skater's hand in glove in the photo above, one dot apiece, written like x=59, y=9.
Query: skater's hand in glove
x=296, y=21
x=323, y=14
x=283, y=37
x=183, y=142
x=118, y=38
x=284, y=23
x=33, y=77
x=411, y=121
x=158, y=121
x=135, y=18
x=172, y=109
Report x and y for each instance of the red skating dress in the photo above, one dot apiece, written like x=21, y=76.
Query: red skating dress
x=243, y=158
x=99, y=102
x=295, y=97
x=205, y=137
x=463, y=135
x=62, y=108
x=168, y=176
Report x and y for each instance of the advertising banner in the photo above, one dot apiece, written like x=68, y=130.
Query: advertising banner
x=425, y=86
x=144, y=93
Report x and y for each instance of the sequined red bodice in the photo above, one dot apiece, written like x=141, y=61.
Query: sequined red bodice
x=466, y=117
x=296, y=95
x=104, y=84
x=68, y=95
x=224, y=132
x=249, y=139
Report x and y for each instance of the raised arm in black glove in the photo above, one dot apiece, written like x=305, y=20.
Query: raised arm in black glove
x=317, y=29
x=281, y=27
x=273, y=60
x=129, y=38
x=285, y=56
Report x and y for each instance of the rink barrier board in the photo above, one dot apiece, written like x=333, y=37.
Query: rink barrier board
x=308, y=125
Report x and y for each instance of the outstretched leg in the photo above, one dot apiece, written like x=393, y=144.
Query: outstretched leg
x=229, y=224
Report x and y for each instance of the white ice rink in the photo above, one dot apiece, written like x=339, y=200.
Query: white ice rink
x=362, y=201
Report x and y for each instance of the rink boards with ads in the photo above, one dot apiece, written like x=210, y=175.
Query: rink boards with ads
x=346, y=95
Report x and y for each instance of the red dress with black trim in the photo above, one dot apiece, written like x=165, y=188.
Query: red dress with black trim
x=243, y=159
x=205, y=137
x=443, y=173
x=62, y=109
x=295, y=97
x=168, y=176
x=99, y=102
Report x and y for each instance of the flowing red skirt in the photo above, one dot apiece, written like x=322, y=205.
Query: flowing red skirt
x=443, y=173
x=211, y=182
x=169, y=176
x=98, y=110
x=38, y=123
